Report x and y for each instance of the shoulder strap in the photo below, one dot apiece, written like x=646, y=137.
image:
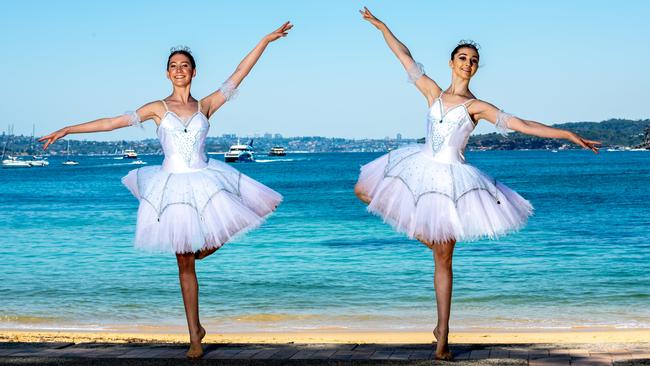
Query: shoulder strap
x=470, y=101
x=198, y=103
x=165, y=104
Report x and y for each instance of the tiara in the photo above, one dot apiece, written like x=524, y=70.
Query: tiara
x=180, y=48
x=469, y=42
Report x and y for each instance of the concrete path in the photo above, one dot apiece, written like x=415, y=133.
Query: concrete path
x=321, y=354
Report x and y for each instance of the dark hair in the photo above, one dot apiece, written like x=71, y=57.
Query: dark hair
x=181, y=52
x=465, y=44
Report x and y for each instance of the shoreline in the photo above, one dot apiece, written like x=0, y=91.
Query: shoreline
x=569, y=336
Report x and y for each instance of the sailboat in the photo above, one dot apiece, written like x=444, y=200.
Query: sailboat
x=68, y=160
x=37, y=160
x=9, y=161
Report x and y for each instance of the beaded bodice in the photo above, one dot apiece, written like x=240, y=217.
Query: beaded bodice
x=448, y=132
x=183, y=142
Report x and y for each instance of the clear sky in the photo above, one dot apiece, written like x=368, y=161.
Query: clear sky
x=554, y=61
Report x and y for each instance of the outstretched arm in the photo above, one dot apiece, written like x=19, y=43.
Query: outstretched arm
x=503, y=121
x=214, y=101
x=148, y=111
x=425, y=85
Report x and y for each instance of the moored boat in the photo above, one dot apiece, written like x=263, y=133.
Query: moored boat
x=69, y=161
x=13, y=162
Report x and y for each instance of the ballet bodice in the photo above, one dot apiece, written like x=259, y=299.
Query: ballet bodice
x=448, y=132
x=183, y=142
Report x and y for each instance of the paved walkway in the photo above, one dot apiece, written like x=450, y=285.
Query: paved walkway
x=320, y=354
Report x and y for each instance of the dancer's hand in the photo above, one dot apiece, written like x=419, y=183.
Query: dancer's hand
x=51, y=138
x=367, y=15
x=279, y=33
x=587, y=144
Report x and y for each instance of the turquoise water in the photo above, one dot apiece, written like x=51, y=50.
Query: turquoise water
x=322, y=262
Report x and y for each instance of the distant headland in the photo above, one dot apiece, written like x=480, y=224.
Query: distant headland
x=620, y=134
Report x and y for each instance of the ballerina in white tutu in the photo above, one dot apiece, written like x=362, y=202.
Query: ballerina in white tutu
x=428, y=191
x=191, y=205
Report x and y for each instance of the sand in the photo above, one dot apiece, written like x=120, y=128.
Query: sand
x=489, y=336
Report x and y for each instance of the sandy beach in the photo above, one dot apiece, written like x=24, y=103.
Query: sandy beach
x=474, y=337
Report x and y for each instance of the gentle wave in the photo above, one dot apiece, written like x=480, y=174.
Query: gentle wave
x=322, y=262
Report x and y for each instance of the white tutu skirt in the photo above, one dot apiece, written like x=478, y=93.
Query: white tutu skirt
x=186, y=212
x=436, y=202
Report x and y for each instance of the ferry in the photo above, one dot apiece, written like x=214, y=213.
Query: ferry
x=240, y=153
x=129, y=154
x=277, y=151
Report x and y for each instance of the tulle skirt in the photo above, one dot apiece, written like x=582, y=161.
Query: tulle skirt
x=187, y=212
x=436, y=202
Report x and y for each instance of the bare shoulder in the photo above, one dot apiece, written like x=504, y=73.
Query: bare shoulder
x=481, y=109
x=153, y=110
x=480, y=105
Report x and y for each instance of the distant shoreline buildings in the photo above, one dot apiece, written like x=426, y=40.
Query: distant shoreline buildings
x=613, y=133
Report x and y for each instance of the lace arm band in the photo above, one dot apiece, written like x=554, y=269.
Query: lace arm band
x=133, y=118
x=415, y=71
x=502, y=123
x=229, y=90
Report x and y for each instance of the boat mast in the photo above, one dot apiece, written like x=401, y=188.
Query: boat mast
x=31, y=151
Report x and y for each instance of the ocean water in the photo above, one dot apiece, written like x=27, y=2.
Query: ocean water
x=322, y=262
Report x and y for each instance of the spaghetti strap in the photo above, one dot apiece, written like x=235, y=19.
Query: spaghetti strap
x=198, y=103
x=165, y=104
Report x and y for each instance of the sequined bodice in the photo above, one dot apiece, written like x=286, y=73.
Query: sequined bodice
x=183, y=142
x=448, y=132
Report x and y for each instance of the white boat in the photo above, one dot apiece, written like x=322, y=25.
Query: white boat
x=8, y=161
x=129, y=154
x=240, y=153
x=38, y=161
x=14, y=162
x=277, y=151
x=68, y=160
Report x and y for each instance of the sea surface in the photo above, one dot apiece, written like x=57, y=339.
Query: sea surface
x=321, y=262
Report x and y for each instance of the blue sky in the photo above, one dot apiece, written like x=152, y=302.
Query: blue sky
x=67, y=62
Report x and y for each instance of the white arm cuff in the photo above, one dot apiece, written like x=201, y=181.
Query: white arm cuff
x=502, y=122
x=229, y=90
x=415, y=72
x=134, y=119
